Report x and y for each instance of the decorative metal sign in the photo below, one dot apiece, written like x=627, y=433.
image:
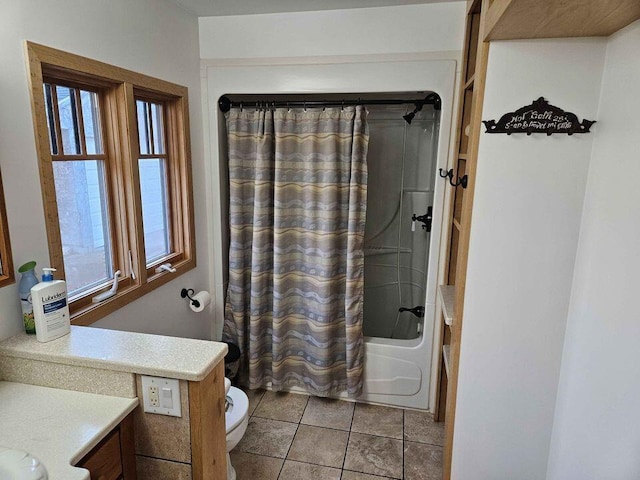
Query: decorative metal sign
x=539, y=117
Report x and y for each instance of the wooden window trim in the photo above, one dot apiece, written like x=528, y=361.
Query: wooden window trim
x=8, y=276
x=118, y=89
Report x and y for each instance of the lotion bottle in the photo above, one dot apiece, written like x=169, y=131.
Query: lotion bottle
x=50, y=308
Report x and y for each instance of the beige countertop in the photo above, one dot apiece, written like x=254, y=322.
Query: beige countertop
x=140, y=353
x=58, y=427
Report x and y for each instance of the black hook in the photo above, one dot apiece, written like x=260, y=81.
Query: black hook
x=448, y=174
x=462, y=181
x=186, y=293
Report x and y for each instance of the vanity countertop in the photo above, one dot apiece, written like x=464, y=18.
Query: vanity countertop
x=139, y=353
x=58, y=427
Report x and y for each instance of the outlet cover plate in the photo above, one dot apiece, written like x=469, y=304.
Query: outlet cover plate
x=161, y=383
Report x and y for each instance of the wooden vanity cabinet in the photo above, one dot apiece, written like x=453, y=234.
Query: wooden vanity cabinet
x=114, y=457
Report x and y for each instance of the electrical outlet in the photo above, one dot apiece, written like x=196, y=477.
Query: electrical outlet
x=161, y=396
x=154, y=397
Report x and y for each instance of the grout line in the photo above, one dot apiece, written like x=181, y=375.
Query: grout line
x=257, y=404
x=160, y=458
x=293, y=439
x=346, y=450
x=403, y=414
x=342, y=469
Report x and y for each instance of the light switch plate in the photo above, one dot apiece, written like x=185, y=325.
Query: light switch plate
x=155, y=398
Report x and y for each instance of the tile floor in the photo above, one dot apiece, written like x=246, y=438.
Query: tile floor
x=296, y=437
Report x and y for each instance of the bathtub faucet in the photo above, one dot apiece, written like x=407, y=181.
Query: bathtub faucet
x=417, y=311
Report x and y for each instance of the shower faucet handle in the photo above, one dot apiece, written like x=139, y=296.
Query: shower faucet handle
x=426, y=220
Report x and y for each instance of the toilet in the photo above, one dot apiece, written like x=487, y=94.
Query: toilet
x=236, y=421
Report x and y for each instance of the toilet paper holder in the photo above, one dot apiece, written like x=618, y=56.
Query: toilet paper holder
x=187, y=293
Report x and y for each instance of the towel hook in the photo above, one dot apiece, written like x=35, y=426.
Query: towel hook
x=447, y=174
x=462, y=181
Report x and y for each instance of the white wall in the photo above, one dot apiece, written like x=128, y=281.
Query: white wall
x=272, y=54
x=596, y=432
x=154, y=37
x=526, y=219
x=382, y=30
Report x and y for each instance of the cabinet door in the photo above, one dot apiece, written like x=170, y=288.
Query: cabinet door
x=105, y=461
x=114, y=457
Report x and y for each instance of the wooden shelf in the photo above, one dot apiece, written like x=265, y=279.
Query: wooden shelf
x=446, y=353
x=448, y=299
x=518, y=19
x=456, y=224
x=462, y=156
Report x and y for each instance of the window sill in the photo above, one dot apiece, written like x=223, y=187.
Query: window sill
x=96, y=311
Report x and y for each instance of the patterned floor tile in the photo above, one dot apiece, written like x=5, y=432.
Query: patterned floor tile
x=376, y=455
x=329, y=413
x=255, y=467
x=254, y=397
x=420, y=427
x=377, y=420
x=305, y=471
x=348, y=475
x=422, y=461
x=287, y=407
x=267, y=437
x=321, y=446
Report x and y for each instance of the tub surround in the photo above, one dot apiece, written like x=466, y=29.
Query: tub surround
x=58, y=427
x=139, y=353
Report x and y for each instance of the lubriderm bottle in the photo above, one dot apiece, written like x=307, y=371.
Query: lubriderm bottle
x=50, y=308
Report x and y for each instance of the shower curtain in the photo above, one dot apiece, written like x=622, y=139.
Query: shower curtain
x=298, y=189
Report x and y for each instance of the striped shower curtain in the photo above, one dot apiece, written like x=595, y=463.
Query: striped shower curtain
x=298, y=189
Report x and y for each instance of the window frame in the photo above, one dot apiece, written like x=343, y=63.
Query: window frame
x=118, y=89
x=7, y=275
x=118, y=244
x=174, y=203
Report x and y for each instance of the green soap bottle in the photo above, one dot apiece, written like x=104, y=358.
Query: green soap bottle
x=28, y=280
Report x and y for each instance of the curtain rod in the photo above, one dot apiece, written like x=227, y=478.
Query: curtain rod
x=225, y=103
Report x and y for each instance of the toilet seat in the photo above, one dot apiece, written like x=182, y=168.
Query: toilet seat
x=238, y=411
x=236, y=419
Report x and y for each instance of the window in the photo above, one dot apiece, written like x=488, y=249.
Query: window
x=6, y=263
x=116, y=178
x=152, y=169
x=80, y=172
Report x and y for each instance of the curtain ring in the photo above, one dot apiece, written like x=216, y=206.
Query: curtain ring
x=342, y=106
x=256, y=106
x=304, y=105
x=241, y=106
x=288, y=109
